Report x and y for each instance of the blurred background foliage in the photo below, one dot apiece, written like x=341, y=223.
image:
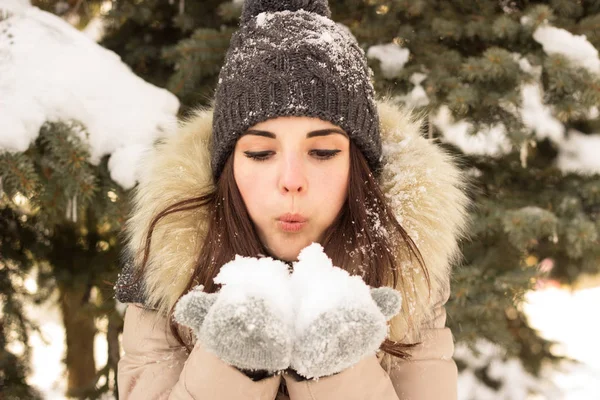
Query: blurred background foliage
x=533, y=220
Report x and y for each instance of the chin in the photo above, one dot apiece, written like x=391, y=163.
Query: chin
x=286, y=258
x=289, y=249
x=286, y=255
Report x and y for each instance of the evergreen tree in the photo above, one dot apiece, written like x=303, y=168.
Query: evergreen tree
x=177, y=45
x=77, y=12
x=60, y=201
x=17, y=233
x=61, y=216
x=528, y=210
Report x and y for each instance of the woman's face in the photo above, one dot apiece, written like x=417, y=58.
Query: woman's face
x=292, y=173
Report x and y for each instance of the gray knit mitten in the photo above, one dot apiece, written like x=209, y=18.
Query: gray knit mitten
x=339, y=319
x=249, y=322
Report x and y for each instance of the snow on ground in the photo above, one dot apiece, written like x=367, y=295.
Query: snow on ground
x=570, y=318
x=48, y=371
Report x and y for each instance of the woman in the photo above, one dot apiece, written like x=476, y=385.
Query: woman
x=294, y=150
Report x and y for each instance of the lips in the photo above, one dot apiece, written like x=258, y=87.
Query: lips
x=292, y=218
x=291, y=222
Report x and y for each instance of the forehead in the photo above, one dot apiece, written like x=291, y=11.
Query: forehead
x=292, y=124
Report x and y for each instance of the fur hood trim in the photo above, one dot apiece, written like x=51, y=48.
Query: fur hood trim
x=425, y=188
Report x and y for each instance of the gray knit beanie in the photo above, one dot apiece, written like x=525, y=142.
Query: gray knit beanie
x=290, y=59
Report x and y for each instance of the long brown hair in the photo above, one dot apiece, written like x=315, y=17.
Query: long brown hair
x=365, y=238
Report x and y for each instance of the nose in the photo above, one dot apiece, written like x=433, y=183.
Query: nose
x=292, y=177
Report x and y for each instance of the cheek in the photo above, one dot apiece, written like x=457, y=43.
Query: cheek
x=331, y=189
x=251, y=184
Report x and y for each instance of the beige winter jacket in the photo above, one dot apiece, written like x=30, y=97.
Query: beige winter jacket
x=426, y=191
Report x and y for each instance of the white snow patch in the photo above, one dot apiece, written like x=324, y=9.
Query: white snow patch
x=261, y=19
x=514, y=381
x=580, y=153
x=525, y=20
x=328, y=287
x=14, y=6
x=417, y=97
x=124, y=161
x=537, y=116
x=326, y=37
x=492, y=141
x=95, y=29
x=263, y=277
x=526, y=66
x=48, y=373
x=48, y=349
x=575, y=47
x=566, y=317
x=577, y=152
x=559, y=315
x=50, y=71
x=392, y=58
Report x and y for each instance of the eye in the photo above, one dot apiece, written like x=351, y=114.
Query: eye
x=324, y=154
x=258, y=155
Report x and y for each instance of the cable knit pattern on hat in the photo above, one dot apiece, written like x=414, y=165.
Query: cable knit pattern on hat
x=294, y=62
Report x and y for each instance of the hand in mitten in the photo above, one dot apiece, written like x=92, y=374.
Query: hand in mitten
x=339, y=319
x=248, y=323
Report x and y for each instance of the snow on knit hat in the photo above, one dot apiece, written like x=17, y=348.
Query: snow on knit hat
x=290, y=59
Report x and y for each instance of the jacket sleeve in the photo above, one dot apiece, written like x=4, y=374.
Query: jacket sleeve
x=366, y=380
x=431, y=373
x=156, y=366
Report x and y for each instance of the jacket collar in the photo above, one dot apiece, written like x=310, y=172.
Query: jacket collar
x=421, y=181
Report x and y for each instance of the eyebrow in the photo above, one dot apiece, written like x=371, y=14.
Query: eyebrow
x=320, y=132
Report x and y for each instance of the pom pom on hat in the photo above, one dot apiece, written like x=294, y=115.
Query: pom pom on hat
x=254, y=7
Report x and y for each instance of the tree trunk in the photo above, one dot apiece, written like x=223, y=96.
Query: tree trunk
x=80, y=331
